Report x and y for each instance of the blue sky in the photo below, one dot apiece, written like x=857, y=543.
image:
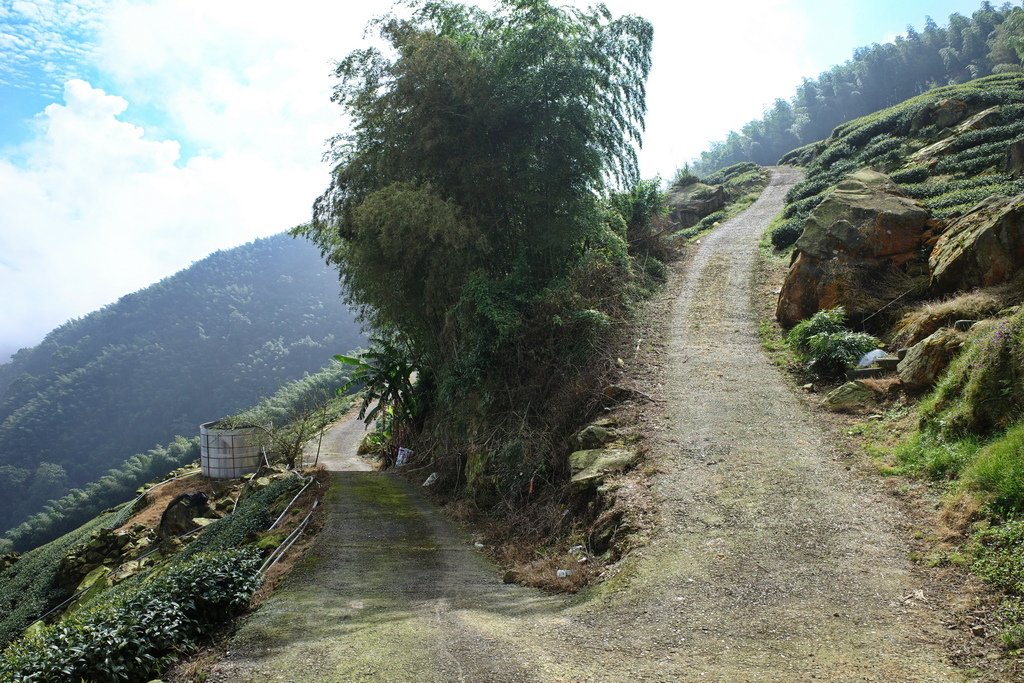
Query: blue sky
x=137, y=136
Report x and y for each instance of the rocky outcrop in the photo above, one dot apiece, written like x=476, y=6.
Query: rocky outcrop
x=1014, y=164
x=927, y=360
x=949, y=112
x=863, y=230
x=687, y=205
x=178, y=518
x=942, y=114
x=590, y=467
x=105, y=547
x=8, y=559
x=984, y=247
x=928, y=156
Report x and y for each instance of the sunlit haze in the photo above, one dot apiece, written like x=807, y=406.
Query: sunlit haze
x=137, y=137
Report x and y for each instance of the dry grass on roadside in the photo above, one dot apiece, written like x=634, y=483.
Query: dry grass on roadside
x=928, y=317
x=156, y=500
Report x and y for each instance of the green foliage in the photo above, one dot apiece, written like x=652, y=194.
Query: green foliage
x=997, y=472
x=384, y=376
x=785, y=234
x=296, y=409
x=255, y=513
x=304, y=394
x=983, y=390
x=825, y=343
x=138, y=634
x=116, y=486
x=937, y=458
x=684, y=177
x=731, y=174
x=828, y=321
x=206, y=342
x=643, y=210
x=914, y=174
x=879, y=76
x=884, y=139
x=27, y=587
x=486, y=210
x=999, y=553
x=832, y=353
x=743, y=184
x=481, y=183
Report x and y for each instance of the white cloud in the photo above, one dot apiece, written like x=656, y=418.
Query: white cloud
x=98, y=210
x=226, y=78
x=34, y=32
x=244, y=78
x=96, y=207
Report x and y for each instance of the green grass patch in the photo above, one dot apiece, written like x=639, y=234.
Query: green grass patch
x=934, y=458
x=996, y=472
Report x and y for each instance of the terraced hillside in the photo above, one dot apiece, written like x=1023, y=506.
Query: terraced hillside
x=947, y=148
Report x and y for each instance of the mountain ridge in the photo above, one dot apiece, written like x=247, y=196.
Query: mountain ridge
x=205, y=342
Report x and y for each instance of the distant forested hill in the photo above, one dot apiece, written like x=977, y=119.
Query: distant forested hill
x=204, y=343
x=990, y=41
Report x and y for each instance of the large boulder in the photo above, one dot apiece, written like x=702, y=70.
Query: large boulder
x=687, y=205
x=926, y=360
x=178, y=517
x=864, y=230
x=984, y=247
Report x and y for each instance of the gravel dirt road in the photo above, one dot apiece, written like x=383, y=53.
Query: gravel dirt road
x=772, y=561
x=337, y=450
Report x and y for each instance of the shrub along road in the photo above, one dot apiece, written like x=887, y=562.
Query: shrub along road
x=772, y=561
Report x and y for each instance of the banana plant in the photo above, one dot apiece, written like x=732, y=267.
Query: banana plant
x=385, y=373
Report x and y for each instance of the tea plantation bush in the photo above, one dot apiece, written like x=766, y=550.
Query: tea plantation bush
x=966, y=172
x=136, y=636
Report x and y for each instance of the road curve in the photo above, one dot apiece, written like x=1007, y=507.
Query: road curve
x=772, y=563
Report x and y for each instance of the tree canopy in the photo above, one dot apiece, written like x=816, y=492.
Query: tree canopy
x=471, y=178
x=469, y=210
x=990, y=41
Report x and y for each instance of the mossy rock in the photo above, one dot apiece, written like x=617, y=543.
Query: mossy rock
x=590, y=467
x=983, y=248
x=595, y=436
x=926, y=360
x=271, y=540
x=983, y=391
x=850, y=396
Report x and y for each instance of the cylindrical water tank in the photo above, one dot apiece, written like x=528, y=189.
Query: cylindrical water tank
x=229, y=453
